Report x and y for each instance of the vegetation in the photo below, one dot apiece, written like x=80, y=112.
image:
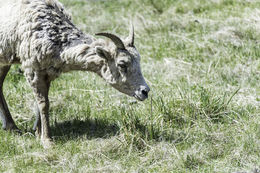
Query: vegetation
x=202, y=62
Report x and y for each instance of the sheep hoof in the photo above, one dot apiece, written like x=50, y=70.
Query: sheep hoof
x=38, y=133
x=47, y=143
x=12, y=128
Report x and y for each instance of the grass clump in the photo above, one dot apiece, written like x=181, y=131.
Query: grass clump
x=201, y=60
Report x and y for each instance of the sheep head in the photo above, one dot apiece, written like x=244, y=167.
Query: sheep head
x=122, y=66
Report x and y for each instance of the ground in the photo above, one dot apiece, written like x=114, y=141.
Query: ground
x=201, y=61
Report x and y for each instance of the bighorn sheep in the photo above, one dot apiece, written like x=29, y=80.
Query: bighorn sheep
x=39, y=35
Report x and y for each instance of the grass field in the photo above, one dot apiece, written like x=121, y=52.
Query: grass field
x=201, y=60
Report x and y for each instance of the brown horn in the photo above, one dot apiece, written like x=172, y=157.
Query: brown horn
x=118, y=42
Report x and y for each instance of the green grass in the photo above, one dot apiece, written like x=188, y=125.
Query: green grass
x=202, y=62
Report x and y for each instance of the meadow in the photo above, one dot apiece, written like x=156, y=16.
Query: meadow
x=201, y=59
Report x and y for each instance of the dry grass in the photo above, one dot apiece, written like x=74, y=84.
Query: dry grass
x=201, y=59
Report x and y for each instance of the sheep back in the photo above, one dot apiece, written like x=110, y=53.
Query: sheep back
x=36, y=32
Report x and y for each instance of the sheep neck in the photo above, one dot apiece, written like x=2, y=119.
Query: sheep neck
x=82, y=57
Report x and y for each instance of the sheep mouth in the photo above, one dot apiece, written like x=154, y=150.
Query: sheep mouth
x=140, y=98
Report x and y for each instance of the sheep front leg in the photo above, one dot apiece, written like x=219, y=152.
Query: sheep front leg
x=40, y=84
x=43, y=105
x=37, y=122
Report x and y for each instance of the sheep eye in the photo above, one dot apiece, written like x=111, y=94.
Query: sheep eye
x=123, y=67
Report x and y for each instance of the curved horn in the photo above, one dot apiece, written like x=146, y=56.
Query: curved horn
x=118, y=42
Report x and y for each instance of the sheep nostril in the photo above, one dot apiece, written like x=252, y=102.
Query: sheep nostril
x=145, y=93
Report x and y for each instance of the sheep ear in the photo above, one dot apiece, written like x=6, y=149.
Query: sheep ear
x=103, y=53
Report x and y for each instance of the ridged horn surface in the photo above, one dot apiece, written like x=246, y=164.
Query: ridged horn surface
x=117, y=41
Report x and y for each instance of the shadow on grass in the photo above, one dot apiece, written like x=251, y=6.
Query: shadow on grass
x=90, y=128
